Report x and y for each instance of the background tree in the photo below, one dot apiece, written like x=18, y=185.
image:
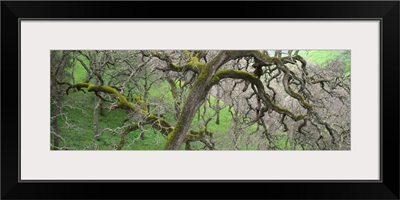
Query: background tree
x=59, y=62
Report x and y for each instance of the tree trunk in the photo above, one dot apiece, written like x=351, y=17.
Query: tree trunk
x=195, y=99
x=54, y=124
x=217, y=107
x=198, y=115
x=57, y=71
x=291, y=141
x=96, y=118
x=101, y=107
x=73, y=73
x=175, y=95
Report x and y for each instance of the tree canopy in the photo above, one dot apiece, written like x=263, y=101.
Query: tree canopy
x=202, y=99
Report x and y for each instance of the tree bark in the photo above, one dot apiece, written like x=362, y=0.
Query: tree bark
x=96, y=118
x=217, y=107
x=54, y=123
x=175, y=95
x=101, y=107
x=57, y=68
x=195, y=99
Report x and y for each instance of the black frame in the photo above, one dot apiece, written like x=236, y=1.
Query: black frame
x=387, y=188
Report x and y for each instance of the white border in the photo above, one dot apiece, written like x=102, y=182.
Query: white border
x=39, y=163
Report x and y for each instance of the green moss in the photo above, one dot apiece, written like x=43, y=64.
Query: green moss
x=233, y=74
x=301, y=98
x=214, y=60
x=307, y=104
x=198, y=54
x=237, y=73
x=257, y=54
x=204, y=73
x=160, y=123
x=82, y=85
x=131, y=106
x=152, y=117
x=281, y=109
x=110, y=90
x=176, y=66
x=194, y=62
x=187, y=54
x=105, y=89
x=91, y=88
x=142, y=104
x=170, y=137
x=236, y=53
x=138, y=98
x=122, y=100
x=215, y=79
x=123, y=103
x=275, y=60
x=264, y=58
x=192, y=135
x=203, y=130
x=172, y=134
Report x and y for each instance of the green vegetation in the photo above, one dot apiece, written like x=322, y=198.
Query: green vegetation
x=323, y=57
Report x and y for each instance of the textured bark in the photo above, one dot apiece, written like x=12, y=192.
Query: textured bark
x=217, y=107
x=58, y=67
x=54, y=123
x=175, y=95
x=96, y=118
x=101, y=107
x=96, y=104
x=195, y=99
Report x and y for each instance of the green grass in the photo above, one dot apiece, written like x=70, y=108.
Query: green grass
x=79, y=135
x=225, y=118
x=321, y=57
x=80, y=132
x=79, y=116
x=79, y=71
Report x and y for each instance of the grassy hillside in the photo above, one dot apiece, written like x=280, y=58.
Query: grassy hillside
x=77, y=125
x=321, y=57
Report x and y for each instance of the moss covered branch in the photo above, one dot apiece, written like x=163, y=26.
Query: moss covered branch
x=123, y=103
x=125, y=133
x=200, y=136
x=193, y=63
x=156, y=122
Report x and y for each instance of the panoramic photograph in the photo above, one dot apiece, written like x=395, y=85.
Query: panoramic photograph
x=257, y=100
